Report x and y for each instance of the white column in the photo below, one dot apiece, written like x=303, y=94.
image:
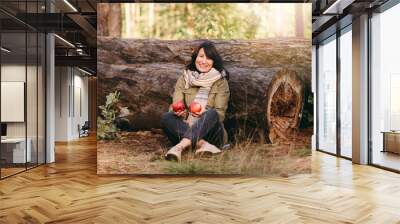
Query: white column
x=360, y=90
x=314, y=91
x=50, y=99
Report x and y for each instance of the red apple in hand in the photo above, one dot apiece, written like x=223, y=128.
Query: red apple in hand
x=195, y=108
x=178, y=106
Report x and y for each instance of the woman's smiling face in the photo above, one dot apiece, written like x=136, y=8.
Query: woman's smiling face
x=203, y=63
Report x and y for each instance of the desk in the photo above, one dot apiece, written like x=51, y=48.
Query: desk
x=391, y=141
x=13, y=150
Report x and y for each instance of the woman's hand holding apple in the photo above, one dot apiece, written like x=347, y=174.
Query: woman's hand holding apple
x=196, y=109
x=179, y=109
x=181, y=114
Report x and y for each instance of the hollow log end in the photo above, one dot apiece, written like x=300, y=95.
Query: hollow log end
x=285, y=99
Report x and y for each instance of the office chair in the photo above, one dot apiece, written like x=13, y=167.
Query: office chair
x=84, y=130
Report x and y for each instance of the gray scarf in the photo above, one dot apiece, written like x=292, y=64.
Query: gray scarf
x=204, y=81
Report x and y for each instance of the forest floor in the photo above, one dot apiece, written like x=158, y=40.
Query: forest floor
x=143, y=152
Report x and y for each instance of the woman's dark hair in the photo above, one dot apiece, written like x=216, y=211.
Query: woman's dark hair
x=212, y=53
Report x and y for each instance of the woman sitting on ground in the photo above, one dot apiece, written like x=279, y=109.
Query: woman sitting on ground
x=204, y=81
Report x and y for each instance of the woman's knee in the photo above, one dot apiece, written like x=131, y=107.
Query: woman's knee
x=212, y=115
x=212, y=112
x=166, y=117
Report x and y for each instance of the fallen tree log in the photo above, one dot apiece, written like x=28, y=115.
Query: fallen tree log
x=145, y=71
x=293, y=53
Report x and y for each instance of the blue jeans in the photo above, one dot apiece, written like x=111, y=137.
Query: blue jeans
x=207, y=127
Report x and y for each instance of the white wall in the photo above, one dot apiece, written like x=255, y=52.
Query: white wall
x=13, y=73
x=61, y=103
x=80, y=109
x=71, y=94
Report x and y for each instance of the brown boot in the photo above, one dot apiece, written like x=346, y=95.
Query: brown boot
x=174, y=153
x=206, y=148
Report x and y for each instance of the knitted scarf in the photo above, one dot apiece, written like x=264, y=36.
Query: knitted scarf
x=204, y=81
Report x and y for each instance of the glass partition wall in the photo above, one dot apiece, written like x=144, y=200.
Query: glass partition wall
x=13, y=89
x=346, y=95
x=334, y=94
x=327, y=95
x=22, y=88
x=385, y=89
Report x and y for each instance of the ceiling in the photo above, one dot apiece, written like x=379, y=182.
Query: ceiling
x=330, y=15
x=74, y=21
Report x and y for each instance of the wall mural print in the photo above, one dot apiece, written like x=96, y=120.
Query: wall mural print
x=199, y=88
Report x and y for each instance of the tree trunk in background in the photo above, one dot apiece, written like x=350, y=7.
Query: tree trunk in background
x=109, y=20
x=114, y=20
x=299, y=20
x=190, y=19
x=145, y=71
x=129, y=11
x=150, y=22
x=102, y=15
x=157, y=22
